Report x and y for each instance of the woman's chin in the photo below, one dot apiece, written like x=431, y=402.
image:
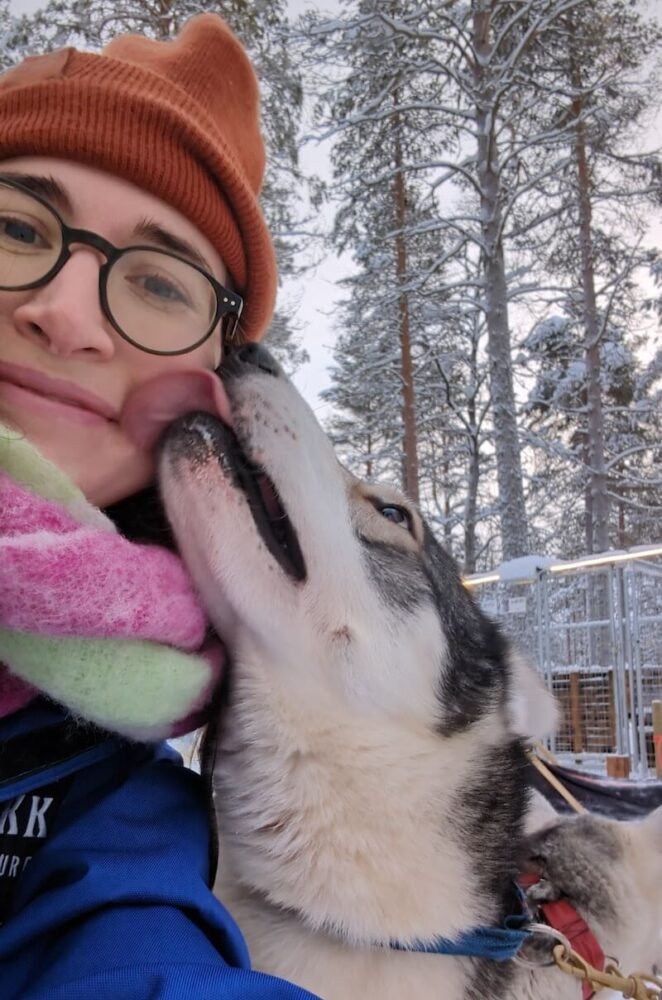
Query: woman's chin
x=99, y=458
x=130, y=472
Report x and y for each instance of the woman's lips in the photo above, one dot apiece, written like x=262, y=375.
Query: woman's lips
x=47, y=406
x=52, y=397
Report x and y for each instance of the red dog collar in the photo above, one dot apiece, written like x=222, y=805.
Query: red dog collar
x=563, y=917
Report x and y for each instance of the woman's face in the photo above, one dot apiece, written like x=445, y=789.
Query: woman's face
x=58, y=332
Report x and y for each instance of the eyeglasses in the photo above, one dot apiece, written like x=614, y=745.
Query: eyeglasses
x=157, y=300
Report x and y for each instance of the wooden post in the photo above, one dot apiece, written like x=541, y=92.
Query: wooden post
x=555, y=783
x=611, y=713
x=576, y=713
x=657, y=736
x=618, y=765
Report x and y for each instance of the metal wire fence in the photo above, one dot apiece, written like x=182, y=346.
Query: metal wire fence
x=593, y=628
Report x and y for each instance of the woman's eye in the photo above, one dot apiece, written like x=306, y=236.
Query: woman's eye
x=398, y=515
x=18, y=231
x=161, y=288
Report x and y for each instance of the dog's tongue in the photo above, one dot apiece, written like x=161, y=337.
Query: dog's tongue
x=155, y=404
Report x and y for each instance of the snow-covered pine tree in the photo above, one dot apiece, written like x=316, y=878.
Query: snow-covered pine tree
x=631, y=394
x=375, y=103
x=633, y=440
x=517, y=121
x=451, y=77
x=381, y=207
x=602, y=92
x=457, y=459
x=599, y=87
x=366, y=431
x=264, y=28
x=11, y=37
x=451, y=391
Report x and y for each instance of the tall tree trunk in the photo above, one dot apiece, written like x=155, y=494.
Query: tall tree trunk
x=595, y=445
x=594, y=416
x=623, y=540
x=167, y=24
x=514, y=529
x=473, y=471
x=588, y=500
x=410, y=445
x=445, y=468
x=471, y=507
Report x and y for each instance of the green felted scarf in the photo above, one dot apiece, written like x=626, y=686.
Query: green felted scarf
x=111, y=629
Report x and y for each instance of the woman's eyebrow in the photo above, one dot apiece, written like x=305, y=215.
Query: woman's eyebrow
x=149, y=230
x=47, y=187
x=146, y=229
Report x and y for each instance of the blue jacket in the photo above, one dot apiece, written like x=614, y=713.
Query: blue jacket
x=104, y=873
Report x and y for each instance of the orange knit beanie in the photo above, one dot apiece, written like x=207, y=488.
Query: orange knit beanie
x=178, y=118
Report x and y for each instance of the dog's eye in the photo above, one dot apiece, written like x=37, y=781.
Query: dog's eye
x=398, y=515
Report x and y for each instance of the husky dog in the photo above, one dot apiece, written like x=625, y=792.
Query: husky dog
x=371, y=775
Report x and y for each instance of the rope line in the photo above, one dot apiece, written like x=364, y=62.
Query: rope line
x=636, y=986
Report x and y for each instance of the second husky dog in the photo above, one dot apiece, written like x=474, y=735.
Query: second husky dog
x=371, y=774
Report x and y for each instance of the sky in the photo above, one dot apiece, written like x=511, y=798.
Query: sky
x=317, y=293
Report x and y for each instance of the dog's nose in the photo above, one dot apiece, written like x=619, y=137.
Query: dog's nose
x=255, y=355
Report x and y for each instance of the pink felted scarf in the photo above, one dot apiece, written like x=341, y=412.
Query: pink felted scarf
x=111, y=629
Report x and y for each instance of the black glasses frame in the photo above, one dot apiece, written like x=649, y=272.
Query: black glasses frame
x=227, y=303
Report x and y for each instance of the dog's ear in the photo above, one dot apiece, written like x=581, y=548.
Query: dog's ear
x=532, y=709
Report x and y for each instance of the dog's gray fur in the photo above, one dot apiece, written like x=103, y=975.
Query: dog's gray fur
x=371, y=779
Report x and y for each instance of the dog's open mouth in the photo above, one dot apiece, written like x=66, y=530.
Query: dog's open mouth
x=271, y=520
x=269, y=514
x=196, y=403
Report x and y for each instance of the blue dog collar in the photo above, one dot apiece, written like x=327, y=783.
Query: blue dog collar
x=498, y=943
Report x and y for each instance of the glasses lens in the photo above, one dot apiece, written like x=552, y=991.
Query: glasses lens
x=30, y=238
x=160, y=302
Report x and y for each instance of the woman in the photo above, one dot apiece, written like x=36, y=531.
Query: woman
x=130, y=233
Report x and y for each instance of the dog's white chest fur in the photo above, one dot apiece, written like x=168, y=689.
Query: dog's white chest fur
x=319, y=813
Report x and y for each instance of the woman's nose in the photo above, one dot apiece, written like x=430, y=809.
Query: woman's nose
x=65, y=315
